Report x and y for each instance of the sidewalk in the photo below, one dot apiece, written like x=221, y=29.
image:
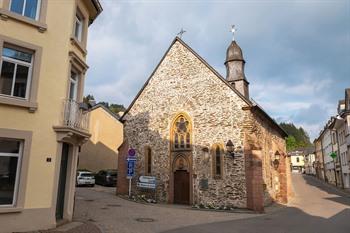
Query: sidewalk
x=73, y=227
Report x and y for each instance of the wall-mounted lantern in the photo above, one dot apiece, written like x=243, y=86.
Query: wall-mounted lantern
x=230, y=149
x=206, y=154
x=276, y=161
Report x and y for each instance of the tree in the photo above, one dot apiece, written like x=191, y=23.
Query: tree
x=88, y=100
x=298, y=137
x=116, y=108
x=291, y=143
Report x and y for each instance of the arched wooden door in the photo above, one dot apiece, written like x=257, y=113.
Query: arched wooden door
x=182, y=187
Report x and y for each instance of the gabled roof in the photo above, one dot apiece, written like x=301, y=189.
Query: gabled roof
x=247, y=101
x=106, y=109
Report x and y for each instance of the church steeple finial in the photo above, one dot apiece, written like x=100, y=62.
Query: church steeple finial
x=235, y=66
x=233, y=30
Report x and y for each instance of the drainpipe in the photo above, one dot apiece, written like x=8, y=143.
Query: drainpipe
x=341, y=169
x=324, y=165
x=335, y=173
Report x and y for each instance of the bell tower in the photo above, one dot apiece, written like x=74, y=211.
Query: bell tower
x=235, y=68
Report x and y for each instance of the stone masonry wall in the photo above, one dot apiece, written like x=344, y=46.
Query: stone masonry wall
x=270, y=141
x=182, y=83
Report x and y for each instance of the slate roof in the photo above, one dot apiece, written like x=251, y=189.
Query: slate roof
x=234, y=53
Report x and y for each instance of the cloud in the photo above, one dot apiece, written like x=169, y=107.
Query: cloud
x=297, y=52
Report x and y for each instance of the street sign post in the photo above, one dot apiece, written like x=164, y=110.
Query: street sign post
x=148, y=183
x=131, y=161
x=131, y=168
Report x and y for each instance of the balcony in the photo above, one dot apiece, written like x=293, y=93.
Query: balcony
x=74, y=123
x=75, y=116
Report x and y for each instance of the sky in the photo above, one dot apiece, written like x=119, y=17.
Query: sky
x=297, y=53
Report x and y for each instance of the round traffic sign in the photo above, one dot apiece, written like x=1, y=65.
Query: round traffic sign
x=131, y=152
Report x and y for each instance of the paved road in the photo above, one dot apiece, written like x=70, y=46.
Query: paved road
x=112, y=214
x=316, y=208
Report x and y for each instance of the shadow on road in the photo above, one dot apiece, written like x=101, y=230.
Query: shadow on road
x=296, y=219
x=288, y=220
x=344, y=198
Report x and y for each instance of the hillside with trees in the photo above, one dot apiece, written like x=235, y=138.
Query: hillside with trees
x=298, y=138
x=116, y=108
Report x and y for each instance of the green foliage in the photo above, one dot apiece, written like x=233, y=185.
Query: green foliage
x=291, y=143
x=116, y=108
x=86, y=100
x=298, y=138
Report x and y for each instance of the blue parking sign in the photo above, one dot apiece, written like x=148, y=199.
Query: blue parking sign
x=131, y=168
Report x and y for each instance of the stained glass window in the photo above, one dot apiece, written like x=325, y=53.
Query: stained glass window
x=181, y=133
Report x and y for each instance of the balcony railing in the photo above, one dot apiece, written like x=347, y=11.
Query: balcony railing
x=75, y=116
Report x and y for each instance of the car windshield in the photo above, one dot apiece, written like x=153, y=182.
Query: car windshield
x=112, y=173
x=86, y=174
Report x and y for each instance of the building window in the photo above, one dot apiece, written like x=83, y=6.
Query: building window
x=217, y=160
x=148, y=160
x=16, y=69
x=73, y=86
x=181, y=133
x=10, y=156
x=298, y=159
x=28, y=8
x=78, y=28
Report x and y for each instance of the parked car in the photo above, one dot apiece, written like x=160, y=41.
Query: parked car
x=106, y=177
x=85, y=178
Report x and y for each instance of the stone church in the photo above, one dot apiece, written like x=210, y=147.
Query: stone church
x=202, y=137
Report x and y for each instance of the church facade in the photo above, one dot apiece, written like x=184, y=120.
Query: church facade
x=202, y=137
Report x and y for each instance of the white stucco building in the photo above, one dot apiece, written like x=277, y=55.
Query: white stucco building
x=340, y=127
x=327, y=148
x=309, y=161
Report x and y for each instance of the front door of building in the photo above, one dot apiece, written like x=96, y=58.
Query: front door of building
x=181, y=187
x=62, y=182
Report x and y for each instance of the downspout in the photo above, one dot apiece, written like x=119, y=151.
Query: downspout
x=324, y=165
x=335, y=174
x=341, y=169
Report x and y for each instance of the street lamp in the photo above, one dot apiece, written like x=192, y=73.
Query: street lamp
x=230, y=148
x=206, y=154
x=276, y=161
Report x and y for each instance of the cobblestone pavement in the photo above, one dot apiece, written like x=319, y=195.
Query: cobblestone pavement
x=99, y=205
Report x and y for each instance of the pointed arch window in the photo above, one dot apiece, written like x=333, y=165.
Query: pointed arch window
x=148, y=161
x=217, y=160
x=181, y=131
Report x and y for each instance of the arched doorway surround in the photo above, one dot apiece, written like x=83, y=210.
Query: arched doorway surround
x=181, y=184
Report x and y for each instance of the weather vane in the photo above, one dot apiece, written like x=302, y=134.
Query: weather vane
x=181, y=33
x=233, y=30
